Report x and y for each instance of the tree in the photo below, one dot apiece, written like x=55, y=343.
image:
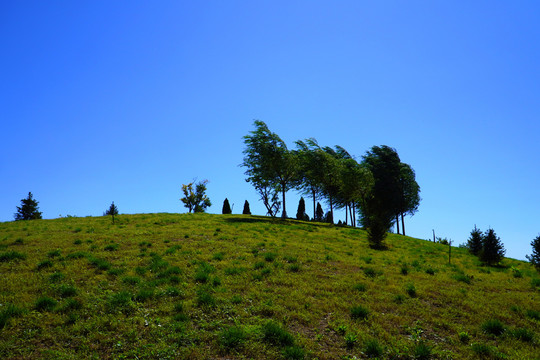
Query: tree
x=409, y=198
x=271, y=167
x=226, y=207
x=492, y=249
x=195, y=201
x=309, y=173
x=474, y=243
x=28, y=209
x=319, y=213
x=301, y=212
x=246, y=210
x=112, y=210
x=534, y=258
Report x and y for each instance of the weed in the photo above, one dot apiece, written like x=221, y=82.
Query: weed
x=216, y=282
x=236, y=299
x=44, y=264
x=173, y=292
x=533, y=314
x=121, y=302
x=493, y=327
x=410, y=289
x=53, y=253
x=430, y=271
x=45, y=303
x=293, y=353
x=116, y=272
x=232, y=271
x=523, y=334
x=8, y=311
x=516, y=272
x=535, y=283
x=77, y=255
x=360, y=287
x=270, y=256
x=341, y=329
x=259, y=265
x=11, y=255
x=463, y=278
x=232, y=337
x=111, y=247
x=100, y=264
x=67, y=290
x=370, y=272
x=70, y=305
x=290, y=259
x=131, y=280
x=218, y=256
x=373, y=349
x=404, y=270
x=77, y=242
x=350, y=340
x=275, y=334
x=422, y=351
x=205, y=297
x=144, y=294
x=56, y=277
x=485, y=350
x=294, y=268
x=399, y=299
x=359, y=312
x=464, y=337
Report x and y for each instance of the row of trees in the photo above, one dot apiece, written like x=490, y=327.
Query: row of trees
x=487, y=246
x=226, y=209
x=380, y=189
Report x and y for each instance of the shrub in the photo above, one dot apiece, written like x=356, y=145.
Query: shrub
x=275, y=334
x=493, y=327
x=474, y=243
x=232, y=337
x=492, y=249
x=45, y=303
x=372, y=348
x=359, y=312
x=535, y=283
x=534, y=258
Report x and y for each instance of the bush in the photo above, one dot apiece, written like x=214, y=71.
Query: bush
x=474, y=243
x=493, y=327
x=430, y=271
x=359, y=312
x=232, y=337
x=275, y=334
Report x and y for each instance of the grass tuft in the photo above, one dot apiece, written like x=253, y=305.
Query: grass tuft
x=275, y=334
x=359, y=312
x=493, y=327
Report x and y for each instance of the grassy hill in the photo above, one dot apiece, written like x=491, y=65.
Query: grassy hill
x=201, y=286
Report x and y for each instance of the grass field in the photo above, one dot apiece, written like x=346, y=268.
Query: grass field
x=200, y=286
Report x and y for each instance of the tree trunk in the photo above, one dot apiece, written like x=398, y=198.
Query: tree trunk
x=284, y=213
x=314, y=207
x=353, y=214
x=346, y=214
x=402, y=224
x=397, y=223
x=331, y=211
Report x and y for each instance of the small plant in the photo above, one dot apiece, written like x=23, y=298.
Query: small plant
x=11, y=255
x=341, y=329
x=236, y=299
x=259, y=265
x=422, y=351
x=484, y=350
x=120, y=302
x=373, y=349
x=516, y=273
x=523, y=334
x=360, y=287
x=131, y=280
x=53, y=253
x=45, y=303
x=294, y=268
x=8, y=311
x=77, y=242
x=370, y=272
x=430, y=271
x=404, y=270
x=410, y=289
x=293, y=353
x=232, y=337
x=111, y=247
x=493, y=327
x=205, y=297
x=533, y=314
x=218, y=256
x=359, y=312
x=275, y=334
x=144, y=294
x=464, y=337
x=463, y=278
x=350, y=340
x=67, y=290
x=399, y=299
x=44, y=264
x=270, y=256
x=70, y=305
x=56, y=277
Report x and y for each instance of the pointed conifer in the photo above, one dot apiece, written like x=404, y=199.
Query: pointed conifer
x=474, y=243
x=301, y=212
x=226, y=207
x=246, y=210
x=492, y=249
x=28, y=209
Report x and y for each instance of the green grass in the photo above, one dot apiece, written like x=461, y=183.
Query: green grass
x=200, y=286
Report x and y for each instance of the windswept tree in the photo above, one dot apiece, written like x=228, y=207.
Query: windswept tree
x=195, y=200
x=28, y=209
x=271, y=167
x=409, y=197
x=226, y=209
x=381, y=206
x=246, y=210
x=309, y=174
x=534, y=258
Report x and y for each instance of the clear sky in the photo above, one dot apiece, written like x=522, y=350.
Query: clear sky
x=125, y=101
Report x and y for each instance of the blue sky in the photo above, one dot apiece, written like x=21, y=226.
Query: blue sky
x=125, y=101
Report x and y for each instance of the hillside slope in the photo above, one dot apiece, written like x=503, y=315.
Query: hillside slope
x=202, y=286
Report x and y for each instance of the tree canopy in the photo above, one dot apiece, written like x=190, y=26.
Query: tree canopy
x=195, y=200
x=28, y=209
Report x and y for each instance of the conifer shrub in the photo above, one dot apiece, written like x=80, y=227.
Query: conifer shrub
x=492, y=249
x=226, y=209
x=474, y=243
x=246, y=210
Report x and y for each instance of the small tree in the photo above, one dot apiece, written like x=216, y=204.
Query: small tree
x=28, y=209
x=474, y=243
x=226, y=207
x=492, y=249
x=246, y=210
x=301, y=212
x=112, y=210
x=534, y=258
x=319, y=213
x=195, y=201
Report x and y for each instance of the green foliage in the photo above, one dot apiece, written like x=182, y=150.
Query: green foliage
x=28, y=209
x=7, y=312
x=373, y=349
x=422, y=351
x=226, y=209
x=45, y=303
x=11, y=256
x=410, y=289
x=523, y=334
x=65, y=290
x=195, y=201
x=464, y=337
x=350, y=340
x=319, y=213
x=44, y=264
x=205, y=297
x=293, y=353
x=534, y=258
x=301, y=211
